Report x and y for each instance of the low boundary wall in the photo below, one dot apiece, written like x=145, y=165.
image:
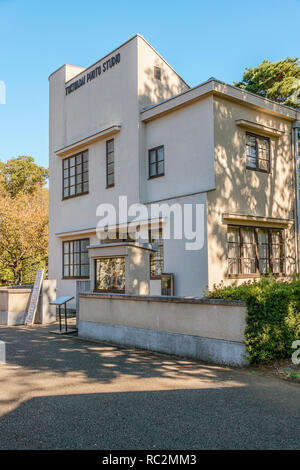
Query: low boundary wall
x=207, y=329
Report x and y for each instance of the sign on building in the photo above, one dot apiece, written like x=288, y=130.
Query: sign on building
x=34, y=298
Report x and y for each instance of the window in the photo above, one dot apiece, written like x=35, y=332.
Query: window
x=253, y=251
x=157, y=258
x=110, y=164
x=110, y=274
x=76, y=175
x=157, y=73
x=257, y=153
x=156, y=162
x=75, y=259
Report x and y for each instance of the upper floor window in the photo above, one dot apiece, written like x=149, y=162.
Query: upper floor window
x=157, y=73
x=254, y=251
x=156, y=162
x=258, y=152
x=76, y=175
x=110, y=163
x=76, y=259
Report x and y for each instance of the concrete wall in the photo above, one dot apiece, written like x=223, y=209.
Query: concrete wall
x=208, y=330
x=242, y=191
x=14, y=304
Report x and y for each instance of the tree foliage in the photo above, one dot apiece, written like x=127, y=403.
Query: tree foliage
x=22, y=174
x=278, y=81
x=23, y=220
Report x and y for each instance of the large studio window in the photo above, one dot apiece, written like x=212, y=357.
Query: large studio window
x=253, y=251
x=76, y=259
x=110, y=274
x=76, y=175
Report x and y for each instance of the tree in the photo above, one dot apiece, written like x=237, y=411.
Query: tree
x=22, y=174
x=23, y=234
x=278, y=81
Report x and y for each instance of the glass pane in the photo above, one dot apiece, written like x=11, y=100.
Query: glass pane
x=263, y=165
x=85, y=187
x=66, y=183
x=66, y=173
x=160, y=154
x=76, y=258
x=160, y=168
x=85, y=156
x=66, y=192
x=76, y=272
x=84, y=258
x=110, y=157
x=66, y=163
x=110, y=180
x=79, y=177
x=152, y=156
x=110, y=274
x=66, y=247
x=72, y=181
x=66, y=271
x=72, y=171
x=72, y=161
x=66, y=259
x=84, y=244
x=85, y=270
x=85, y=177
x=152, y=170
x=77, y=246
x=79, y=188
x=72, y=191
x=85, y=166
x=71, y=271
x=78, y=159
x=110, y=146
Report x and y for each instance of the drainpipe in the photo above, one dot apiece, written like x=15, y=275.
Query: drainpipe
x=296, y=127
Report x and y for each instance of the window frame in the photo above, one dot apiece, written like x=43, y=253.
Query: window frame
x=74, y=264
x=109, y=291
x=161, y=258
x=240, y=259
x=157, y=73
x=156, y=175
x=257, y=158
x=75, y=175
x=107, y=163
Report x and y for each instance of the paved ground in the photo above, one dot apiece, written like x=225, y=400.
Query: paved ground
x=65, y=393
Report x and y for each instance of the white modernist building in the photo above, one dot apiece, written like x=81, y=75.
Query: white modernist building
x=130, y=126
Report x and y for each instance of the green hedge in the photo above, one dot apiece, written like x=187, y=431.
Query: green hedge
x=273, y=316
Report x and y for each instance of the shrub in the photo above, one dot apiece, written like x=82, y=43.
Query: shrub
x=273, y=316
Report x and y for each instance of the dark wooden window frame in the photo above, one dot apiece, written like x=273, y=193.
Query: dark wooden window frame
x=76, y=174
x=241, y=274
x=109, y=173
x=153, y=277
x=257, y=168
x=108, y=291
x=73, y=264
x=157, y=174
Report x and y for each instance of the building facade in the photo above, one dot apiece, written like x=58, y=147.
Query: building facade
x=129, y=126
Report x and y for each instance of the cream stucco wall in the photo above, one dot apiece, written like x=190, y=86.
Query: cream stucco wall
x=243, y=191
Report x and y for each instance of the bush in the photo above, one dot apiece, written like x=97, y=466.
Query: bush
x=273, y=316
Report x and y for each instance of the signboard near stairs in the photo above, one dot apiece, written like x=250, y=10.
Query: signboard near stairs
x=34, y=298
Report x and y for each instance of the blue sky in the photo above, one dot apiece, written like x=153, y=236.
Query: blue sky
x=199, y=39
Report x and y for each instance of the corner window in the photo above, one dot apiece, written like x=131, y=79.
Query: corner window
x=76, y=175
x=156, y=162
x=257, y=153
x=110, y=274
x=110, y=164
x=76, y=259
x=253, y=251
x=157, y=258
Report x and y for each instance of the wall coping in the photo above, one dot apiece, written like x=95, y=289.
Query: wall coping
x=164, y=298
x=17, y=290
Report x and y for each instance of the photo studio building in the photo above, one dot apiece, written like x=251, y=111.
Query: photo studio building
x=129, y=126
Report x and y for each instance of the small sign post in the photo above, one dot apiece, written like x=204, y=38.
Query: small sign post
x=34, y=298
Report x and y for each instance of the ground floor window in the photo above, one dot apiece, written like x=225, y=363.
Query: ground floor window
x=76, y=259
x=157, y=258
x=255, y=251
x=110, y=274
